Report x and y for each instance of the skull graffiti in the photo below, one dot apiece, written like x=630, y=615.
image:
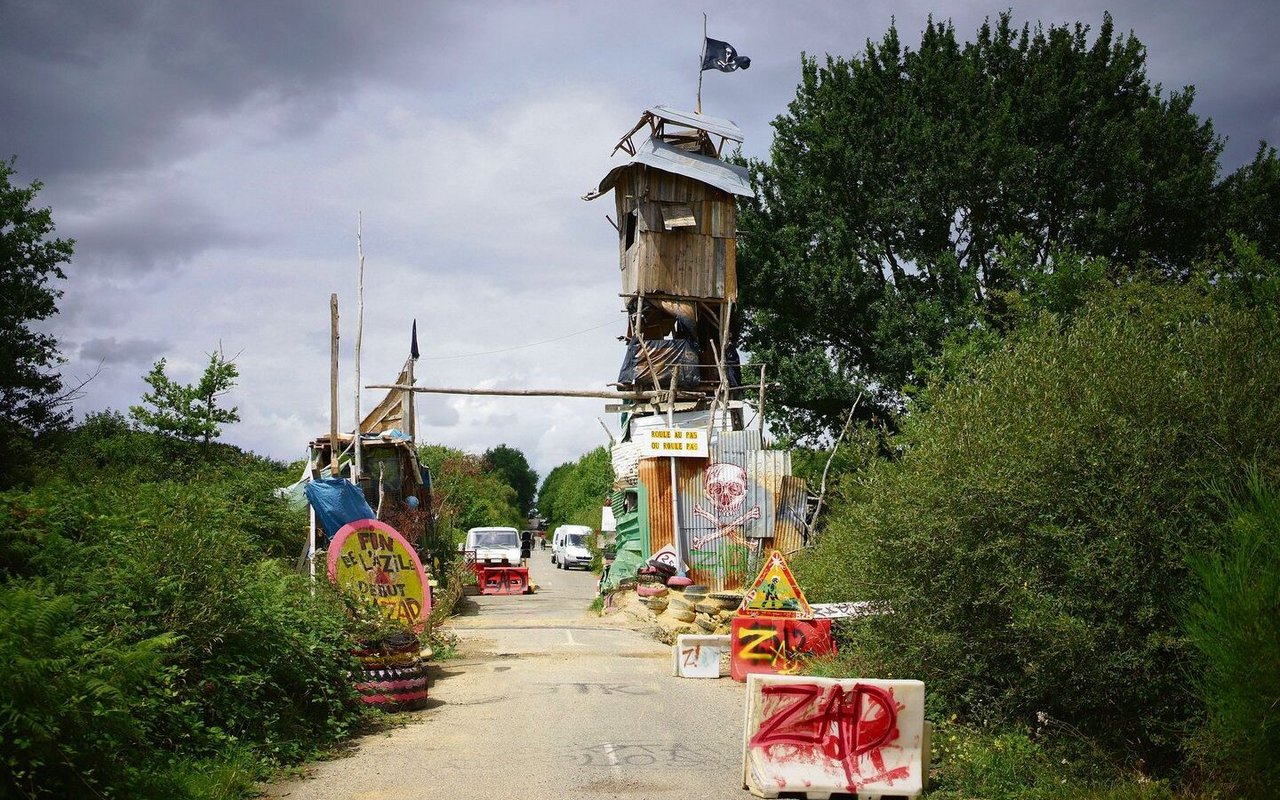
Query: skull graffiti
x=726, y=487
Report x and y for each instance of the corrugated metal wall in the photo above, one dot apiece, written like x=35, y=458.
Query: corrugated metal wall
x=720, y=555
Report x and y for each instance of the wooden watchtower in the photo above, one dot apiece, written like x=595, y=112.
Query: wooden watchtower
x=676, y=210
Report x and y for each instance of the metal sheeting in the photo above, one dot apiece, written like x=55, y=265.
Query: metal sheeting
x=723, y=538
x=790, y=532
x=658, y=154
x=626, y=461
x=716, y=125
x=655, y=475
x=717, y=556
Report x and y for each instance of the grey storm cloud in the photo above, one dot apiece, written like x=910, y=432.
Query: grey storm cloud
x=111, y=351
x=141, y=232
x=108, y=84
x=210, y=159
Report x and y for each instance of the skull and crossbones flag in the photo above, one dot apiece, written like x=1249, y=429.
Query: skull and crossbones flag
x=722, y=56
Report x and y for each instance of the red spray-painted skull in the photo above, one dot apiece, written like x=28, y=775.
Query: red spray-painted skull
x=725, y=486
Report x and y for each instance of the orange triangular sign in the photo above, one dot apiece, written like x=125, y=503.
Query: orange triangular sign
x=775, y=592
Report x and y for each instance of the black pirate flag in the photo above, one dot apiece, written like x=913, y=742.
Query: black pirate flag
x=722, y=56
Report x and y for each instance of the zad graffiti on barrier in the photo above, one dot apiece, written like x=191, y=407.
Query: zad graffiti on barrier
x=371, y=560
x=841, y=735
x=836, y=723
x=776, y=645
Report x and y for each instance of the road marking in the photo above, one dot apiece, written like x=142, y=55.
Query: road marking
x=569, y=634
x=612, y=758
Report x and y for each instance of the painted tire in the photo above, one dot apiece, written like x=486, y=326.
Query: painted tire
x=650, y=590
x=678, y=582
x=697, y=588
x=393, y=682
x=683, y=616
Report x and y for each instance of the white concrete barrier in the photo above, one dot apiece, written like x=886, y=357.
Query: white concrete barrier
x=696, y=656
x=819, y=736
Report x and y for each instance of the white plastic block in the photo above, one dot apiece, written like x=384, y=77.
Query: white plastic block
x=819, y=736
x=698, y=656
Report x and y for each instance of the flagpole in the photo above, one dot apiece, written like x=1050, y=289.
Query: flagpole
x=702, y=59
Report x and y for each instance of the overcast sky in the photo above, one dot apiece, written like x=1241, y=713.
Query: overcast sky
x=210, y=159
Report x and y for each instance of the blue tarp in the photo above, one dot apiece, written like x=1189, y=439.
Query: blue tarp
x=337, y=502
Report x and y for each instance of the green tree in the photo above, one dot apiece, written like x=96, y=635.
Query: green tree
x=512, y=466
x=574, y=492
x=464, y=494
x=1034, y=539
x=189, y=412
x=902, y=185
x=30, y=390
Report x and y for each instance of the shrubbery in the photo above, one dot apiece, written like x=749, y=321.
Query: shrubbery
x=1235, y=625
x=574, y=492
x=152, y=644
x=1034, y=538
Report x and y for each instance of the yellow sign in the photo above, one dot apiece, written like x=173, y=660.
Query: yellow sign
x=371, y=560
x=673, y=442
x=775, y=592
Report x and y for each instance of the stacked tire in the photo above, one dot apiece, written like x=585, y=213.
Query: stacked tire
x=392, y=677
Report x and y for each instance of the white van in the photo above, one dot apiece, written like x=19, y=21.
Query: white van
x=494, y=545
x=569, y=546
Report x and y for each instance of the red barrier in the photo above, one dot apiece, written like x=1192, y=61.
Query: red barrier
x=776, y=645
x=502, y=580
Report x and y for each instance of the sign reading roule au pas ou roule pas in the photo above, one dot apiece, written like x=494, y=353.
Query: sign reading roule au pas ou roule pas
x=673, y=442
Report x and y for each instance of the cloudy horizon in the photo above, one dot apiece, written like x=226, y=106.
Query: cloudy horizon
x=211, y=161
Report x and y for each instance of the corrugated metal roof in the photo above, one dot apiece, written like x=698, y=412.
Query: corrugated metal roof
x=715, y=125
x=729, y=178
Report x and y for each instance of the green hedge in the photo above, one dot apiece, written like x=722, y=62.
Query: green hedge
x=152, y=643
x=1033, y=539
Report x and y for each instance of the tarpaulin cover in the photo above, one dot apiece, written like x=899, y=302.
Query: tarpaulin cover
x=337, y=502
x=678, y=354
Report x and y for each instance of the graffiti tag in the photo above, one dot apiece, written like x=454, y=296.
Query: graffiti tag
x=834, y=722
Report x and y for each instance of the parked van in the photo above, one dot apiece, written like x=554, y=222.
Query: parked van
x=569, y=546
x=494, y=545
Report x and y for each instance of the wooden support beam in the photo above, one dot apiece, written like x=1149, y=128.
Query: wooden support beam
x=602, y=395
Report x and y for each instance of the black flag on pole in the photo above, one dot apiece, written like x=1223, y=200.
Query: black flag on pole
x=722, y=56
x=413, y=344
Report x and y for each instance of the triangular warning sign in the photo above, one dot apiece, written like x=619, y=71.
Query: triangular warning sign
x=775, y=592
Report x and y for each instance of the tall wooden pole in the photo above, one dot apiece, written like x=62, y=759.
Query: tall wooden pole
x=333, y=385
x=359, y=464
x=676, y=539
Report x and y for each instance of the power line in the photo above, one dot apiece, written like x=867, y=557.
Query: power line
x=520, y=346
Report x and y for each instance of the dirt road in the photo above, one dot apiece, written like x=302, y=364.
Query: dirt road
x=547, y=700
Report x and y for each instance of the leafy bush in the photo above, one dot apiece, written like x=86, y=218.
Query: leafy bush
x=183, y=656
x=1235, y=625
x=1033, y=540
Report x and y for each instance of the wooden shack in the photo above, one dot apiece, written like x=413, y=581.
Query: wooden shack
x=676, y=207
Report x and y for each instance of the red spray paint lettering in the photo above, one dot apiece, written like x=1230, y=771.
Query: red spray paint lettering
x=843, y=726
